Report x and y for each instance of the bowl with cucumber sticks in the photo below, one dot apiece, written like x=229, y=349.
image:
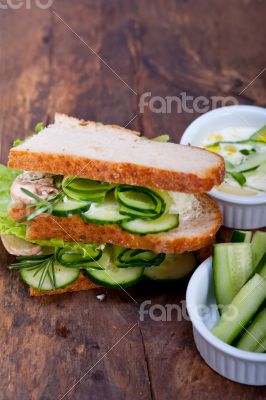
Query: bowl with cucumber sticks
x=237, y=133
x=226, y=302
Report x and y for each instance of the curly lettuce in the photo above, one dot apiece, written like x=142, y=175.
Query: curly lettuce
x=7, y=176
x=10, y=227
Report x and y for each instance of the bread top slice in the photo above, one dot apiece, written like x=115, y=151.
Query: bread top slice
x=197, y=229
x=66, y=120
x=104, y=152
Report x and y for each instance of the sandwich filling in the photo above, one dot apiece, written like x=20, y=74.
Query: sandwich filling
x=136, y=209
x=52, y=264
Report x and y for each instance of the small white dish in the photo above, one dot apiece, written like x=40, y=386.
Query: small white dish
x=234, y=364
x=240, y=212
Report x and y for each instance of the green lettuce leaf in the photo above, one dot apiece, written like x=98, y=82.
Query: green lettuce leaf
x=7, y=176
x=10, y=227
x=7, y=225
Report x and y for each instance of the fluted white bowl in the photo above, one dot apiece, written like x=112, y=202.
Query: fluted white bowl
x=239, y=212
x=234, y=364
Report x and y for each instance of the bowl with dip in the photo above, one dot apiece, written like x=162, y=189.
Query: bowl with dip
x=238, y=133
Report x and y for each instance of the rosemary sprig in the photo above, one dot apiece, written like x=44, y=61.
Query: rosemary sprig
x=41, y=206
x=44, y=270
x=39, y=264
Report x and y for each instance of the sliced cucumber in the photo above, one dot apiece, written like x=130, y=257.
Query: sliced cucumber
x=124, y=258
x=251, y=162
x=114, y=277
x=63, y=277
x=260, y=135
x=85, y=185
x=70, y=207
x=85, y=189
x=140, y=202
x=258, y=245
x=100, y=264
x=252, y=338
x=261, y=170
x=105, y=213
x=256, y=179
x=241, y=236
x=162, y=224
x=174, y=267
x=242, y=308
x=92, y=197
x=232, y=266
x=78, y=256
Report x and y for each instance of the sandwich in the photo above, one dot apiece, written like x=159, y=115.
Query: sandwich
x=85, y=205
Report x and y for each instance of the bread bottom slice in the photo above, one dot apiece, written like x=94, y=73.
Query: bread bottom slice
x=197, y=229
x=82, y=283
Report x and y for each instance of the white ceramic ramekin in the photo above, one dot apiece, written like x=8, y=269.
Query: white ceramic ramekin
x=240, y=212
x=237, y=365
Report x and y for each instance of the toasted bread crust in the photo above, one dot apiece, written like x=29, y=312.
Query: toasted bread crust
x=82, y=283
x=192, y=233
x=115, y=172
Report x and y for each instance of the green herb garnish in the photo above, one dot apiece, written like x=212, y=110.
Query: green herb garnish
x=41, y=206
x=39, y=264
x=247, y=152
x=239, y=177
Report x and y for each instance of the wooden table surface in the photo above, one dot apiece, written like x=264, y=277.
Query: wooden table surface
x=93, y=59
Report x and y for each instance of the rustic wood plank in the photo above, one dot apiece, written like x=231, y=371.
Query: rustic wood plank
x=25, y=82
x=203, y=49
x=47, y=344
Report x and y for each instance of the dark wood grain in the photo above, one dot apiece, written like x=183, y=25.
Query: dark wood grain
x=201, y=47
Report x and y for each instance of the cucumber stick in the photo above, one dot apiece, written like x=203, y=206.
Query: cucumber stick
x=258, y=245
x=252, y=339
x=232, y=266
x=261, y=346
x=243, y=307
x=261, y=267
x=241, y=236
x=175, y=266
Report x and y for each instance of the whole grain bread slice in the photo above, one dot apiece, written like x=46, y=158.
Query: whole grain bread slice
x=197, y=229
x=104, y=152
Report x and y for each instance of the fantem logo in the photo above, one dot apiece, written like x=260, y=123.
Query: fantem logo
x=27, y=4
x=183, y=103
